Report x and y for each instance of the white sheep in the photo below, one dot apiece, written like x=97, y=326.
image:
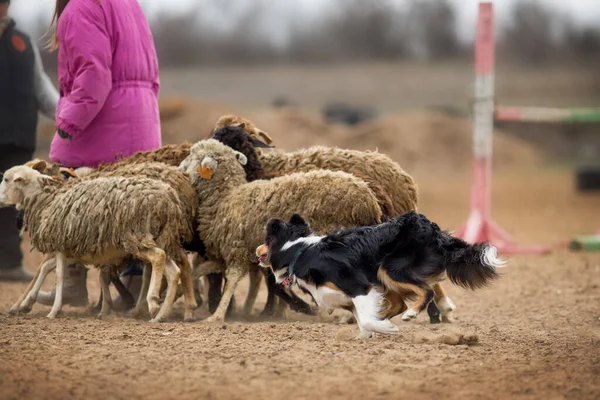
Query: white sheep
x=100, y=222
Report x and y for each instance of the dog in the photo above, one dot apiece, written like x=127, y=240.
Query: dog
x=369, y=270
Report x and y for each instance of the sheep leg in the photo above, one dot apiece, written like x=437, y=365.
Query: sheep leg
x=141, y=304
x=280, y=311
x=233, y=276
x=14, y=310
x=215, y=284
x=128, y=300
x=46, y=268
x=157, y=258
x=188, y=287
x=105, y=274
x=172, y=274
x=61, y=264
x=255, y=279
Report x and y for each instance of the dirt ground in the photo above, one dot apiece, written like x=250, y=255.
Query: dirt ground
x=534, y=334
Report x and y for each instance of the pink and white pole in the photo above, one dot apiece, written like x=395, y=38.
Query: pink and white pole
x=480, y=227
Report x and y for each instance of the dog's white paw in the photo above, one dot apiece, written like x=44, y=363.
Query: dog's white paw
x=364, y=335
x=385, y=327
x=409, y=314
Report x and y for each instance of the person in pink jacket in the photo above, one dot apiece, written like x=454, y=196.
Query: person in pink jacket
x=109, y=85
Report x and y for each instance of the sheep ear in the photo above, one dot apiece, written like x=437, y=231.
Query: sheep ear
x=296, y=219
x=259, y=144
x=242, y=125
x=265, y=136
x=241, y=158
x=19, y=178
x=40, y=166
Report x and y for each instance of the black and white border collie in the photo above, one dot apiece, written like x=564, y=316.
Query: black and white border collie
x=366, y=269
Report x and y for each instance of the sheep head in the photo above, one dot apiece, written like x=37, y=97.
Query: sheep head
x=258, y=137
x=46, y=168
x=20, y=183
x=212, y=161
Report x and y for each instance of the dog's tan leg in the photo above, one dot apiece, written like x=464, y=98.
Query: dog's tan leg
x=15, y=309
x=444, y=303
x=105, y=273
x=172, y=273
x=424, y=294
x=255, y=280
x=395, y=304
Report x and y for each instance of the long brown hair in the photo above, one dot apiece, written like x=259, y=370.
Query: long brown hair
x=52, y=43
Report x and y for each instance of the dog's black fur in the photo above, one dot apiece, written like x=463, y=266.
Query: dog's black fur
x=407, y=251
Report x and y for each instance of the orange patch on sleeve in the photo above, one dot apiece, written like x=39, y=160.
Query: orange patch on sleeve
x=19, y=43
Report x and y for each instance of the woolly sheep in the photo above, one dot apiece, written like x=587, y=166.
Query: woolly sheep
x=187, y=197
x=101, y=222
x=232, y=212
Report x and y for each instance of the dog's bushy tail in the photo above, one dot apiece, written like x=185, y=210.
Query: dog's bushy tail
x=471, y=266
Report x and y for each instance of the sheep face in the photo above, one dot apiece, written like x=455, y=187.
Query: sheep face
x=19, y=183
x=211, y=160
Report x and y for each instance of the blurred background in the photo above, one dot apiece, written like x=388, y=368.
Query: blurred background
x=393, y=75
x=390, y=71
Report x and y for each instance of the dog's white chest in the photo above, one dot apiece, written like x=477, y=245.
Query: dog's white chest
x=325, y=296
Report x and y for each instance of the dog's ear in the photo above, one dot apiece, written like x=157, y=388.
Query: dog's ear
x=274, y=226
x=296, y=219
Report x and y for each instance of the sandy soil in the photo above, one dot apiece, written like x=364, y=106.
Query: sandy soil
x=534, y=334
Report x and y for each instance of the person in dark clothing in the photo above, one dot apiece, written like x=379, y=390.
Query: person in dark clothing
x=25, y=89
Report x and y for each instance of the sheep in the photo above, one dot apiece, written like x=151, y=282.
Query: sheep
x=102, y=222
x=187, y=199
x=233, y=212
x=396, y=191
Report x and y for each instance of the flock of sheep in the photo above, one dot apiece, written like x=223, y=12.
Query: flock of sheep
x=212, y=199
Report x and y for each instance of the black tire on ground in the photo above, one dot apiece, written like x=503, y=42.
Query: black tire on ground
x=588, y=179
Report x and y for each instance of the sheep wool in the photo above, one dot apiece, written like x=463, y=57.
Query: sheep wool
x=88, y=217
x=385, y=177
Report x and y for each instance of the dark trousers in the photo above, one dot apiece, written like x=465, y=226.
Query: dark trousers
x=10, y=242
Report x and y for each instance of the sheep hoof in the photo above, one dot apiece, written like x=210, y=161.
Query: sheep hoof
x=158, y=320
x=189, y=319
x=153, y=310
x=13, y=311
x=51, y=315
x=213, y=319
x=24, y=309
x=100, y=316
x=434, y=319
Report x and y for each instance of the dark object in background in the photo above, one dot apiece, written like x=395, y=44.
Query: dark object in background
x=588, y=178
x=282, y=101
x=347, y=114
